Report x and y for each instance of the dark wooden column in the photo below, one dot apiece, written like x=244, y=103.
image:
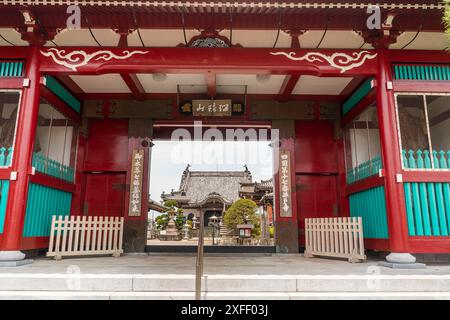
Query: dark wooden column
x=286, y=228
x=140, y=132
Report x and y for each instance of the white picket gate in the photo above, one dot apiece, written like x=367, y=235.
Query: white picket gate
x=79, y=236
x=335, y=237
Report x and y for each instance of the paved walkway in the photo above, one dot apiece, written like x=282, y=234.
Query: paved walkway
x=277, y=264
x=225, y=277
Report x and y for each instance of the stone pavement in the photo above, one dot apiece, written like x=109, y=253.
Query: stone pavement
x=276, y=276
x=218, y=264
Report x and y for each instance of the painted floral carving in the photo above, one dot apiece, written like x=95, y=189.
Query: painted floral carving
x=75, y=59
x=339, y=60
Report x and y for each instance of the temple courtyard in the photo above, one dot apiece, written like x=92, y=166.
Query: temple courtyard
x=234, y=276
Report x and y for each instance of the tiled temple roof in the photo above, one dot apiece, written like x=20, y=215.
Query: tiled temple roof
x=264, y=185
x=195, y=186
x=255, y=187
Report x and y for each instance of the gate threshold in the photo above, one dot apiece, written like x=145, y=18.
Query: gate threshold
x=209, y=249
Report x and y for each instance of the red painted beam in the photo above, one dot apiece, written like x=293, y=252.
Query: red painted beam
x=351, y=87
x=5, y=174
x=204, y=17
x=135, y=86
x=14, y=52
x=429, y=244
x=365, y=184
x=29, y=243
x=52, y=182
x=189, y=96
x=421, y=86
x=131, y=80
x=60, y=105
x=419, y=56
x=183, y=60
x=289, y=83
x=426, y=176
x=377, y=244
x=11, y=83
x=360, y=107
x=211, y=83
x=71, y=85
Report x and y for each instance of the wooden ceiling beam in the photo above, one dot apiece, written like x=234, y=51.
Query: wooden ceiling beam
x=135, y=86
x=351, y=87
x=70, y=84
x=131, y=79
x=290, y=81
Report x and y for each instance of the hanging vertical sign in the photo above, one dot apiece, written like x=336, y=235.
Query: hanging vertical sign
x=285, y=184
x=137, y=169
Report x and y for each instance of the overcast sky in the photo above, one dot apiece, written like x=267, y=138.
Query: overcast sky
x=169, y=159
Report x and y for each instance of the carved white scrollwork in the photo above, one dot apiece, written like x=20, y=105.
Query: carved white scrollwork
x=339, y=60
x=79, y=58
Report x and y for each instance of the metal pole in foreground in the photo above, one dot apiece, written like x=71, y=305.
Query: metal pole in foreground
x=199, y=263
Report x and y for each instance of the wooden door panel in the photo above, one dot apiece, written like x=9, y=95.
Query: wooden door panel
x=105, y=194
x=317, y=197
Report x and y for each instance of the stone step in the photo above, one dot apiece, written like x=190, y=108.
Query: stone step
x=225, y=283
x=162, y=295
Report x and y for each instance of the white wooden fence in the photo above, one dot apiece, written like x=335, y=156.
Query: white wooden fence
x=79, y=236
x=335, y=237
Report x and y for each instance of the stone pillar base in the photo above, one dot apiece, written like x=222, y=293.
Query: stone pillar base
x=11, y=255
x=401, y=261
x=134, y=235
x=13, y=259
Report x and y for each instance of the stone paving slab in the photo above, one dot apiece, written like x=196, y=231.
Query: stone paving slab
x=164, y=283
x=65, y=282
x=64, y=295
x=8, y=264
x=172, y=277
x=225, y=283
x=277, y=264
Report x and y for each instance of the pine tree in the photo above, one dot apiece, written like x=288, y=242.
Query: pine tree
x=242, y=211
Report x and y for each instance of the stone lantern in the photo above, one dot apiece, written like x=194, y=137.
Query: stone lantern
x=186, y=228
x=194, y=223
x=214, y=223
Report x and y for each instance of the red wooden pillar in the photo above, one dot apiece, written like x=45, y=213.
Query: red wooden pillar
x=23, y=152
x=344, y=206
x=77, y=208
x=395, y=199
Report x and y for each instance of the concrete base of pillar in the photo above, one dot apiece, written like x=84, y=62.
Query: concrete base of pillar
x=402, y=265
x=395, y=257
x=11, y=256
x=13, y=259
x=401, y=261
x=18, y=263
